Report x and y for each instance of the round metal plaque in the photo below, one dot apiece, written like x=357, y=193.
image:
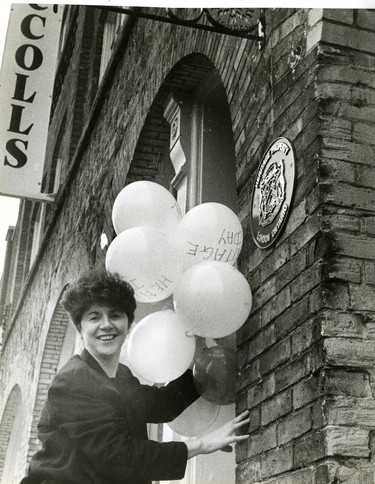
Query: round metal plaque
x=273, y=192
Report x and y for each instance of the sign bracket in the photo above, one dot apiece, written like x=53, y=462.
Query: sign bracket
x=236, y=22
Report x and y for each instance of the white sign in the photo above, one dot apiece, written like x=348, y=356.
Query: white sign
x=26, y=84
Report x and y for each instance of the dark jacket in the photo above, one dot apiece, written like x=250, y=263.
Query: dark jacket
x=93, y=428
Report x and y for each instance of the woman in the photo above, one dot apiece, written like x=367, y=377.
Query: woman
x=93, y=425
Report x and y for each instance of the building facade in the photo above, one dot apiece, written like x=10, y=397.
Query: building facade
x=193, y=110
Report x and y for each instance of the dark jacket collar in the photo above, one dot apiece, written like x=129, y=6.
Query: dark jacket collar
x=87, y=357
x=91, y=361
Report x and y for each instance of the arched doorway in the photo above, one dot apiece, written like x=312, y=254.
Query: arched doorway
x=58, y=348
x=11, y=428
x=187, y=146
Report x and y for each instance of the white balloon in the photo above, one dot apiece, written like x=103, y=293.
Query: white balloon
x=212, y=299
x=196, y=419
x=158, y=348
x=145, y=203
x=144, y=258
x=209, y=232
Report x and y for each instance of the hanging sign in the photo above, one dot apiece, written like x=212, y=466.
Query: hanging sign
x=26, y=84
x=273, y=191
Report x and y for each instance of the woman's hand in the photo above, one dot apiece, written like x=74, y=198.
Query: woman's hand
x=220, y=438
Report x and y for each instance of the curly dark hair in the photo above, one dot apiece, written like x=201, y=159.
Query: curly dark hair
x=98, y=287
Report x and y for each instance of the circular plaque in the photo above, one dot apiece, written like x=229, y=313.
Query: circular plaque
x=273, y=192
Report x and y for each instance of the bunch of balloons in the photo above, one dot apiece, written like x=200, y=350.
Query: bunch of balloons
x=187, y=288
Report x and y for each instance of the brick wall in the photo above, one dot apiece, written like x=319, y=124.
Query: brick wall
x=280, y=353
x=305, y=356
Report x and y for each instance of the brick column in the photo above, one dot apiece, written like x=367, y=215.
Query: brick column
x=345, y=88
x=306, y=355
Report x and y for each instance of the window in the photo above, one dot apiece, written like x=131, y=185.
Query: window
x=64, y=28
x=112, y=26
x=38, y=229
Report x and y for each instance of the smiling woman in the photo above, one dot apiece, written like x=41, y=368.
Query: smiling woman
x=94, y=424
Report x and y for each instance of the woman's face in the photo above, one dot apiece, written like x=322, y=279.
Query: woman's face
x=103, y=331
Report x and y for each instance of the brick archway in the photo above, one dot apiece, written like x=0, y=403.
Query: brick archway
x=50, y=363
x=8, y=426
x=149, y=161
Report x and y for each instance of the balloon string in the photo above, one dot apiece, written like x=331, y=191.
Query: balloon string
x=195, y=324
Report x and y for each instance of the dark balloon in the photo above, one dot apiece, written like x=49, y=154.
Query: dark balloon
x=215, y=373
